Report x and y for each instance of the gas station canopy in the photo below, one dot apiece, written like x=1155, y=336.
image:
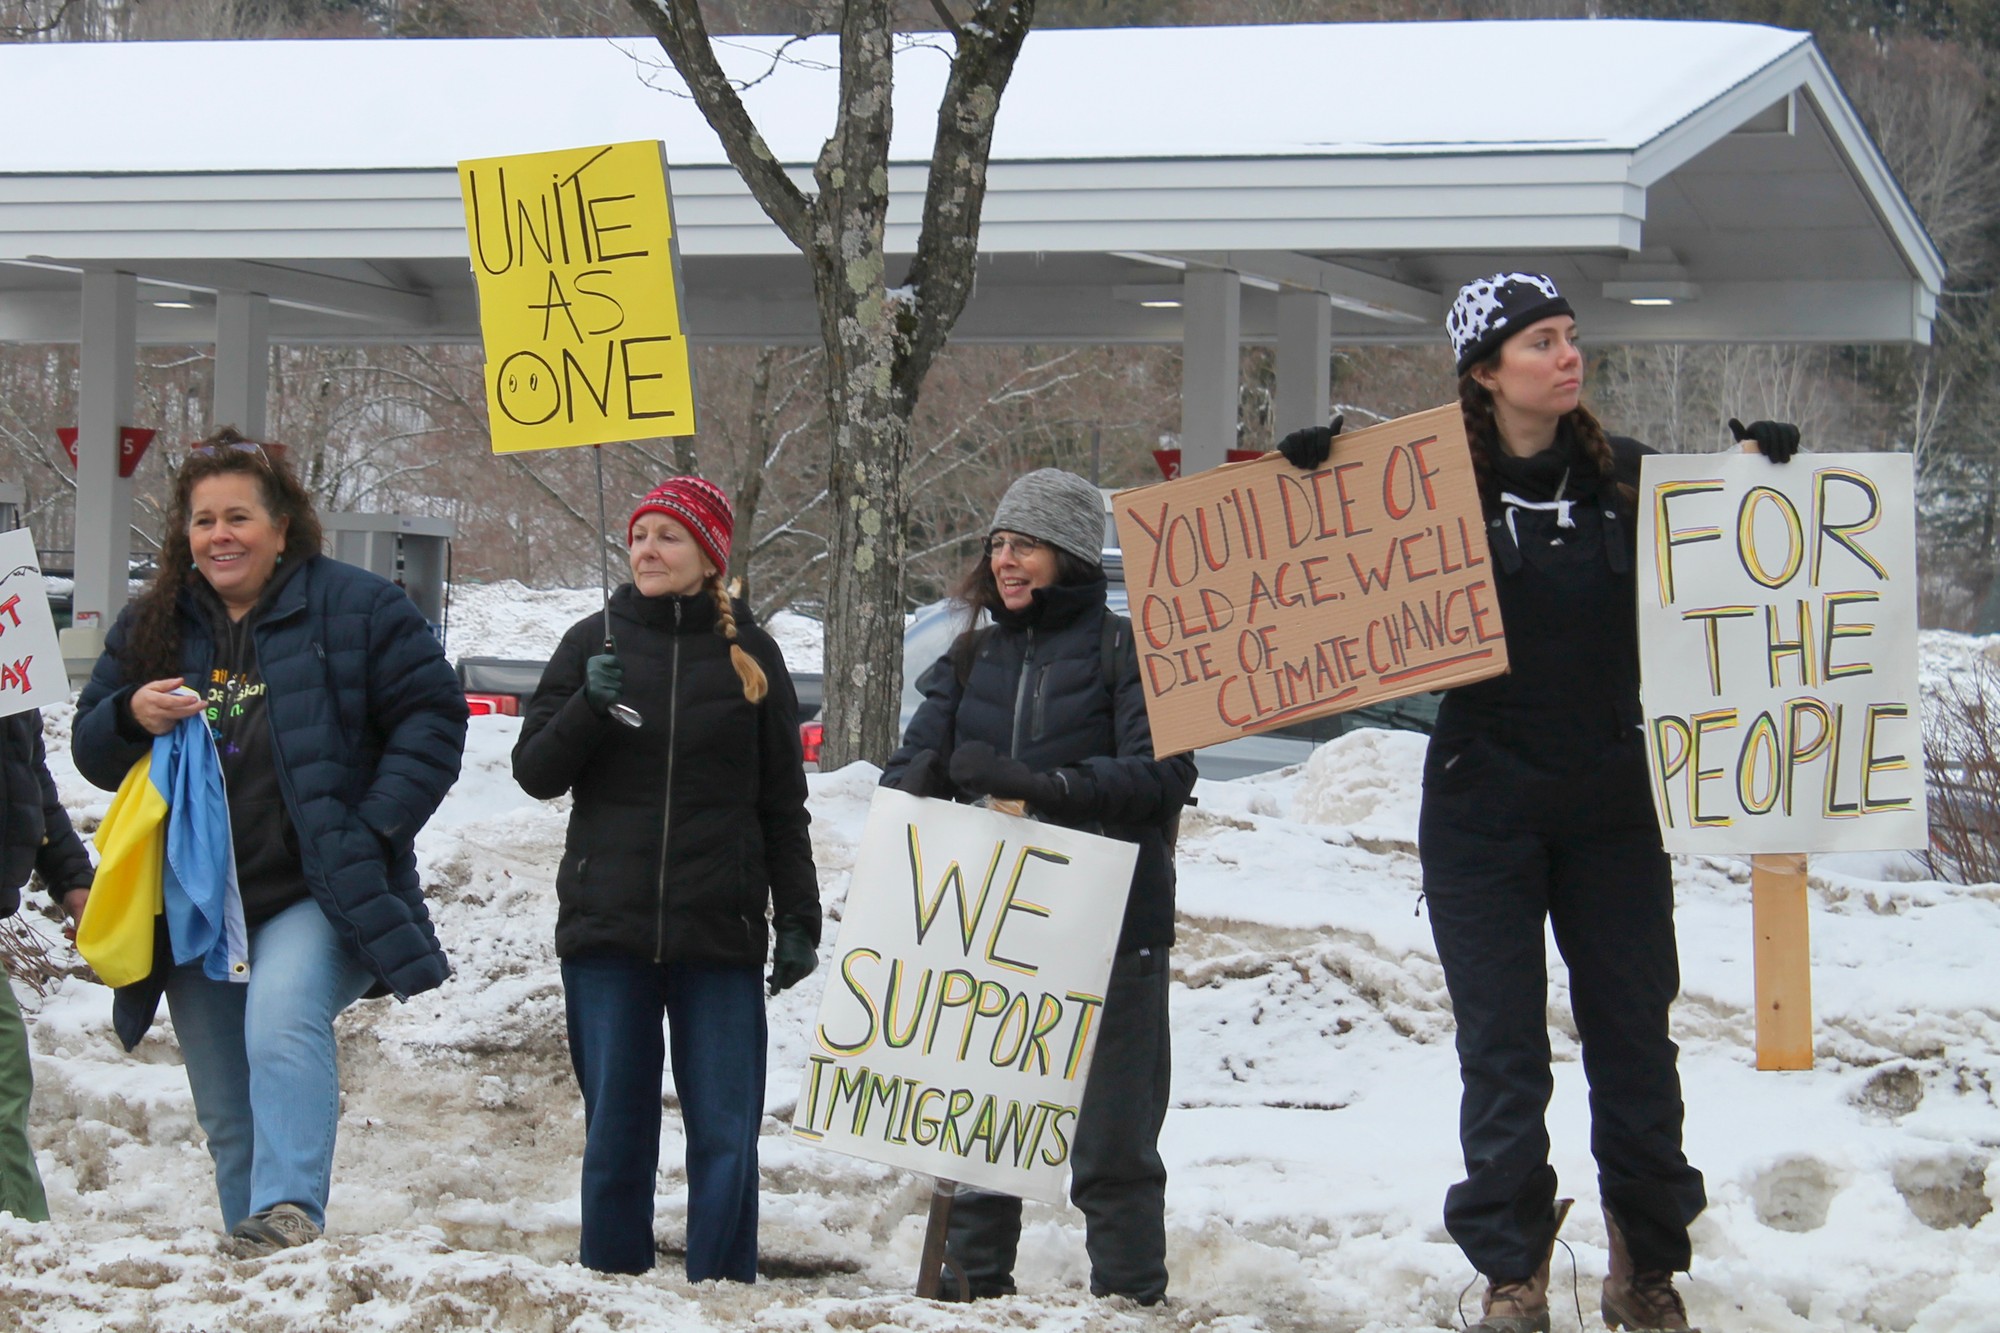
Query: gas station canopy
x=1308, y=186
x=1715, y=169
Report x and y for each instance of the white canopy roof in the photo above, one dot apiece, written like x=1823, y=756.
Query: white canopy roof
x=1383, y=164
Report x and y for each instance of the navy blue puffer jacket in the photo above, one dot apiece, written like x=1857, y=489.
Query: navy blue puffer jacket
x=368, y=728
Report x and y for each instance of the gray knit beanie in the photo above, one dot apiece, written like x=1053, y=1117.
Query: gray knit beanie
x=1057, y=507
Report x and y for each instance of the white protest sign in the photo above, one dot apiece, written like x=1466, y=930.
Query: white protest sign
x=1778, y=652
x=31, y=666
x=962, y=1008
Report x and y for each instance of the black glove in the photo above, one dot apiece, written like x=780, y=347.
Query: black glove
x=923, y=776
x=793, y=957
x=1312, y=446
x=979, y=769
x=603, y=682
x=1776, y=440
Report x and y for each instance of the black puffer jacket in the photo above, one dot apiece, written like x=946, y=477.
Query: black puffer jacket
x=36, y=834
x=1035, y=690
x=686, y=829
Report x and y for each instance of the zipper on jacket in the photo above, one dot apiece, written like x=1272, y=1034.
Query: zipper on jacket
x=667, y=806
x=1021, y=694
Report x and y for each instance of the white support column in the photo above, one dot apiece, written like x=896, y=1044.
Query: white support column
x=108, y=366
x=1211, y=339
x=1305, y=353
x=242, y=362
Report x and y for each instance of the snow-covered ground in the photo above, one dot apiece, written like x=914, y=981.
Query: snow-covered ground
x=1312, y=1138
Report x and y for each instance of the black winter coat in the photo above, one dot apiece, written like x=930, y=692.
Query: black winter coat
x=686, y=829
x=36, y=834
x=1565, y=719
x=368, y=729
x=1035, y=690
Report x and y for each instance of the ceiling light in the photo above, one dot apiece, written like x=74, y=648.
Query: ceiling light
x=1161, y=305
x=173, y=305
x=1655, y=292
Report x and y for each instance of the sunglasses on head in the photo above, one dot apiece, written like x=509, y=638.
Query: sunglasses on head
x=231, y=447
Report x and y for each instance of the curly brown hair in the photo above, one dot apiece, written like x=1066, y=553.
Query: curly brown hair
x=1578, y=427
x=152, y=648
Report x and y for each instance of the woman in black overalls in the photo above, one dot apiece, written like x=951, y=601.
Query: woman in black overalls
x=1536, y=808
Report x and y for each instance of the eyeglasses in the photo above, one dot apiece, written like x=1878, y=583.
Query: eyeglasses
x=1022, y=547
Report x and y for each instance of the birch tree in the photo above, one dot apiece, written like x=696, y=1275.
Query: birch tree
x=879, y=340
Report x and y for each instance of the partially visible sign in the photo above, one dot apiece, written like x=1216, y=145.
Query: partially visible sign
x=578, y=274
x=957, y=1028
x=132, y=444
x=1169, y=460
x=32, y=674
x=1262, y=595
x=1778, y=652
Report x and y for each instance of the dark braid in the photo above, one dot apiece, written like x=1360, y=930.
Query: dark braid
x=755, y=686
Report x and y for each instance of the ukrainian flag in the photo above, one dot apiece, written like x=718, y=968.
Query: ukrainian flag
x=164, y=847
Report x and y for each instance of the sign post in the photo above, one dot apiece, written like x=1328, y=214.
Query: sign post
x=1263, y=595
x=1778, y=679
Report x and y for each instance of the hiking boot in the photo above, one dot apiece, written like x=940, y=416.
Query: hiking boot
x=276, y=1228
x=1521, y=1305
x=1639, y=1302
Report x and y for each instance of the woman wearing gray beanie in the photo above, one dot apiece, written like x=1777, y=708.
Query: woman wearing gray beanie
x=1046, y=707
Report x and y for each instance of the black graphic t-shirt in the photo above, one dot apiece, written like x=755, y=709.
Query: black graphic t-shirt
x=268, y=869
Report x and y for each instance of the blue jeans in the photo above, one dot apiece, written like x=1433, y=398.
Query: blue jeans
x=716, y=1019
x=262, y=1065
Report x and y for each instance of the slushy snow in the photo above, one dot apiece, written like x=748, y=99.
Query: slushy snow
x=1312, y=1137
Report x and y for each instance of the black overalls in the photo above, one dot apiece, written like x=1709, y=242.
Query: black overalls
x=1536, y=808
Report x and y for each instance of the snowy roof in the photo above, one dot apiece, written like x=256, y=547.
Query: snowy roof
x=1368, y=161
x=1314, y=90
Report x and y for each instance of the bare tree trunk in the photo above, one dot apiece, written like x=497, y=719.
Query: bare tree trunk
x=879, y=343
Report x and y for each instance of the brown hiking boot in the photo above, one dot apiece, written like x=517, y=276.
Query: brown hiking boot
x=1639, y=1302
x=1521, y=1305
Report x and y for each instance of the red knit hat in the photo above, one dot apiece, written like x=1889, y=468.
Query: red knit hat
x=700, y=506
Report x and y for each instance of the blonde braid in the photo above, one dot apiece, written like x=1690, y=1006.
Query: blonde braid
x=755, y=686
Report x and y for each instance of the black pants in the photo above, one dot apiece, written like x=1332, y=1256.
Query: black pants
x=1492, y=875
x=1116, y=1176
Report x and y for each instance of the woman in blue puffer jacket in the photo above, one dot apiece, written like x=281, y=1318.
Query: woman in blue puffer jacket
x=339, y=726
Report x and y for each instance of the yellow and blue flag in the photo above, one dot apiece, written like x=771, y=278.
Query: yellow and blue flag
x=164, y=847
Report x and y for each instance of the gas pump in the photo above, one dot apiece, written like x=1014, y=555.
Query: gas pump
x=410, y=550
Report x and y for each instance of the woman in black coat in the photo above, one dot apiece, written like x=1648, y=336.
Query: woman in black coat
x=686, y=831
x=1537, y=812
x=1047, y=707
x=35, y=835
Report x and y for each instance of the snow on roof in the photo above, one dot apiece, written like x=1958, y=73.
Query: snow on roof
x=1251, y=91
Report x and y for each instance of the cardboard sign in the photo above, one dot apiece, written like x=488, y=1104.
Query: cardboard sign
x=578, y=275
x=31, y=666
x=958, y=1023
x=1262, y=595
x=1778, y=652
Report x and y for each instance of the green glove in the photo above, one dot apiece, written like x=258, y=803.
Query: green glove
x=794, y=957
x=603, y=682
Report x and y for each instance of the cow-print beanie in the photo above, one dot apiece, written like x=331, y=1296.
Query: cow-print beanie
x=1491, y=310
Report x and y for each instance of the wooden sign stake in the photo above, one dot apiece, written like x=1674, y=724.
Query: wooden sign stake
x=1783, y=961
x=932, y=1266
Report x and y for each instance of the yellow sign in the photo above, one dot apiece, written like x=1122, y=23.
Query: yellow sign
x=578, y=296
